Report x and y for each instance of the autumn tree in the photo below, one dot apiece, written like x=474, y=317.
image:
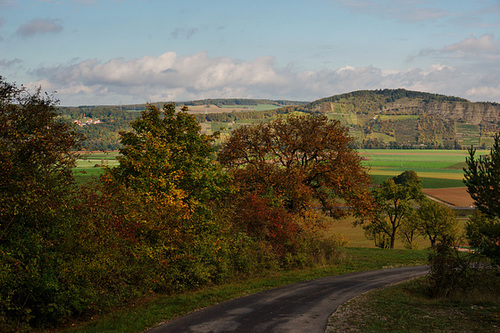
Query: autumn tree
x=395, y=199
x=165, y=157
x=170, y=188
x=299, y=162
x=482, y=178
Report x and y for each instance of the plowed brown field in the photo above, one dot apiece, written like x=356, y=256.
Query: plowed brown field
x=456, y=196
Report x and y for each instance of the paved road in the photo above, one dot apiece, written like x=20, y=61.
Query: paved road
x=301, y=307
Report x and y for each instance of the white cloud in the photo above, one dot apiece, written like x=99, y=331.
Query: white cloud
x=37, y=26
x=473, y=45
x=478, y=53
x=491, y=91
x=171, y=77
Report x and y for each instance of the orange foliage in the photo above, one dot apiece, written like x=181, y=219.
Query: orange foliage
x=302, y=162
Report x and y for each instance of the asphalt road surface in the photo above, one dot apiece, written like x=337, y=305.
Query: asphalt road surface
x=301, y=307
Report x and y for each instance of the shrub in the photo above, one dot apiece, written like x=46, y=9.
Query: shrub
x=450, y=270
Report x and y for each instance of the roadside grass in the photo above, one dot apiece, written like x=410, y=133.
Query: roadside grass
x=407, y=307
x=146, y=313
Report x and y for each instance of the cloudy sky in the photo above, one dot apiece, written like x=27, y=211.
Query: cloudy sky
x=135, y=51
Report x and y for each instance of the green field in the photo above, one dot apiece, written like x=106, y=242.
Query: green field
x=436, y=168
x=90, y=164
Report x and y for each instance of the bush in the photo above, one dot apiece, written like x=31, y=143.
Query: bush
x=450, y=270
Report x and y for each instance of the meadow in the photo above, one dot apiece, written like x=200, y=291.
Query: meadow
x=436, y=168
x=90, y=164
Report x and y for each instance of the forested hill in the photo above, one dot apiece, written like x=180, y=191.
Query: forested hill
x=399, y=118
x=406, y=102
x=394, y=118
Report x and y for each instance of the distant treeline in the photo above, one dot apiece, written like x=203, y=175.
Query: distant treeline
x=104, y=136
x=228, y=117
x=387, y=96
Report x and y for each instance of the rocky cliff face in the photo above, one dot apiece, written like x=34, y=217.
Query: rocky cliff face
x=473, y=113
x=400, y=101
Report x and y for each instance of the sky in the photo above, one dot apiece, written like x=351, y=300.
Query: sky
x=95, y=52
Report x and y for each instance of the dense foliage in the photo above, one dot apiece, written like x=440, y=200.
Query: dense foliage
x=167, y=219
x=395, y=200
x=36, y=226
x=299, y=162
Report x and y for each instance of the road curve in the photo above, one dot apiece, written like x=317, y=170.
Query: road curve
x=301, y=307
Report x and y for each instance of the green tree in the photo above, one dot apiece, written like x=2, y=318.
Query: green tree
x=166, y=156
x=437, y=222
x=410, y=230
x=36, y=181
x=482, y=178
x=396, y=199
x=483, y=233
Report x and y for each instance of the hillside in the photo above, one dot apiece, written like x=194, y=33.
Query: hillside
x=394, y=118
x=402, y=118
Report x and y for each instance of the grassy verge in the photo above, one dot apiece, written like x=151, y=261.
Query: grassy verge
x=406, y=307
x=140, y=315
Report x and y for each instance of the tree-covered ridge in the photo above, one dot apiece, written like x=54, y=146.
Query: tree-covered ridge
x=383, y=96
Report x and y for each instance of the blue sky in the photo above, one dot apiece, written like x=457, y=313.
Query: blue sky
x=135, y=51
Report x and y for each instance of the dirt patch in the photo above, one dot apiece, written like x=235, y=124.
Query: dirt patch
x=455, y=196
